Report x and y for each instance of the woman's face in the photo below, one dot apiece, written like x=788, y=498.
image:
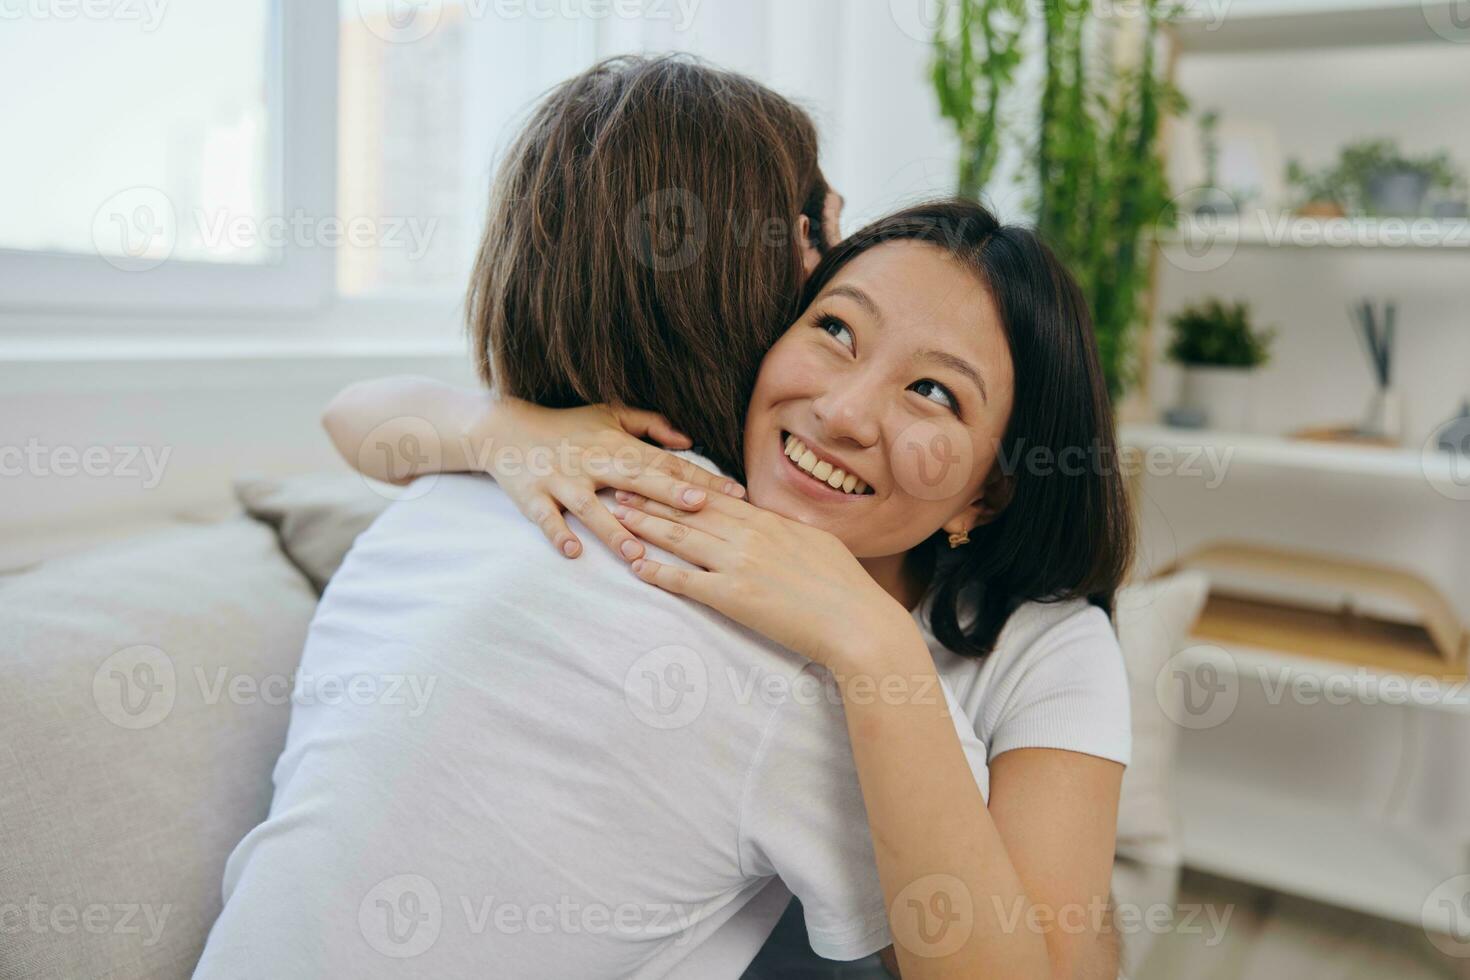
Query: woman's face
x=899, y=376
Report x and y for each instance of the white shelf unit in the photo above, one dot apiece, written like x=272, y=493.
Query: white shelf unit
x=1264, y=230
x=1268, y=798
x=1352, y=858
x=1250, y=26
x=1410, y=465
x=1348, y=860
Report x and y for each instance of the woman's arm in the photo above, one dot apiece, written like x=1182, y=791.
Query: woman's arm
x=547, y=460
x=1018, y=889
x=368, y=423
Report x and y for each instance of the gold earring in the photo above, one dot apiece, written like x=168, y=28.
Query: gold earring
x=959, y=538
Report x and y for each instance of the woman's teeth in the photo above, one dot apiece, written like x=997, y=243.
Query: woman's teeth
x=822, y=470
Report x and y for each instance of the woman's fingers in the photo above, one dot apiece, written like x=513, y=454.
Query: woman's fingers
x=544, y=511
x=674, y=492
x=711, y=520
x=581, y=499
x=687, y=542
x=692, y=582
x=670, y=480
x=684, y=471
x=651, y=425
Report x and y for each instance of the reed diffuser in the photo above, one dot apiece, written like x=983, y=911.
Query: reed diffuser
x=1384, y=418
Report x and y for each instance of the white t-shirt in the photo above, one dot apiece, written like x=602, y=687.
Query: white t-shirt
x=503, y=763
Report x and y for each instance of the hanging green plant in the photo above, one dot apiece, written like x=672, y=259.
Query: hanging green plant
x=1093, y=166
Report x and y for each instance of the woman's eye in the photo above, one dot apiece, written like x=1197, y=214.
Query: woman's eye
x=841, y=331
x=934, y=391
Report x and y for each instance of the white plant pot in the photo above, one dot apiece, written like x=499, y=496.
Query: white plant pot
x=1223, y=394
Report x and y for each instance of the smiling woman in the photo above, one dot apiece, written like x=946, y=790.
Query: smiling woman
x=936, y=348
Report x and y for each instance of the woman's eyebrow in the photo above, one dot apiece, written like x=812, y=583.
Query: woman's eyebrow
x=958, y=364
x=859, y=297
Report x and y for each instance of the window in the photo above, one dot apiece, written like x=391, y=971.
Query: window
x=155, y=163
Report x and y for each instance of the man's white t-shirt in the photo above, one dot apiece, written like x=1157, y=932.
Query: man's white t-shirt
x=504, y=763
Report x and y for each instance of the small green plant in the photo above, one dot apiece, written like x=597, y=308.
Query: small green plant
x=1346, y=182
x=1218, y=334
x=1323, y=186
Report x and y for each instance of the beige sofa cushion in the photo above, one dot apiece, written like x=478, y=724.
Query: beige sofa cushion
x=142, y=710
x=317, y=516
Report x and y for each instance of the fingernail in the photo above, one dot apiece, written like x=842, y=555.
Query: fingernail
x=734, y=489
x=629, y=549
x=693, y=496
x=620, y=512
x=638, y=565
x=623, y=496
x=569, y=548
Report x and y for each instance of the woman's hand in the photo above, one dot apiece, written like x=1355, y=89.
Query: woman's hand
x=553, y=460
x=547, y=460
x=794, y=584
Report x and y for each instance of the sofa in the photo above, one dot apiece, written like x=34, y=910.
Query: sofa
x=146, y=698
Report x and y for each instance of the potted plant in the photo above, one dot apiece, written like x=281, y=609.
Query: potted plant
x=1219, y=349
x=1388, y=181
x=1212, y=201
x=1320, y=193
x=1372, y=177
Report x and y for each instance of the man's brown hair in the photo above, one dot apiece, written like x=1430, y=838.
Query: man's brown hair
x=642, y=247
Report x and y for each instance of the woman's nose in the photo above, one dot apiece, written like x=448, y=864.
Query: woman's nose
x=849, y=413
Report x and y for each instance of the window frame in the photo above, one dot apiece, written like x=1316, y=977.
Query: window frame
x=302, y=65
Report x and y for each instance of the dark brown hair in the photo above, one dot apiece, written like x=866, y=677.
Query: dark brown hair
x=641, y=246
x=1066, y=531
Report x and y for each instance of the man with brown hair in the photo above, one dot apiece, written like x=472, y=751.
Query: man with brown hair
x=607, y=780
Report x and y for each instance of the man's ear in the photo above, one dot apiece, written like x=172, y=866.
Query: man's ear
x=810, y=257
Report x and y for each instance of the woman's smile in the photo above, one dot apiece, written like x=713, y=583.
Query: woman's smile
x=821, y=468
